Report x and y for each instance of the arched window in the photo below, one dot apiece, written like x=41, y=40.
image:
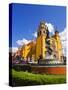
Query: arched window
x=44, y=32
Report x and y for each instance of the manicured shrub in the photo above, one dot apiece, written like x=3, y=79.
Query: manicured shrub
x=20, y=67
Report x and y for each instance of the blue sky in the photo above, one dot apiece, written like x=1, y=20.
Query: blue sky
x=26, y=18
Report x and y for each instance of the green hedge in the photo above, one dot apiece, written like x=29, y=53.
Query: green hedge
x=20, y=67
x=20, y=78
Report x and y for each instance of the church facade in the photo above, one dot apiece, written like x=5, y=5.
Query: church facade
x=45, y=46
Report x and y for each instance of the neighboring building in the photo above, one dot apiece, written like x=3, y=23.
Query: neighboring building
x=43, y=46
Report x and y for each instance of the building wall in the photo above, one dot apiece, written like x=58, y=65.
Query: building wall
x=28, y=50
x=25, y=51
x=40, y=46
x=43, y=46
x=58, y=47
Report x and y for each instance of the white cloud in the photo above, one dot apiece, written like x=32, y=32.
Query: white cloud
x=13, y=49
x=35, y=34
x=23, y=41
x=63, y=37
x=50, y=27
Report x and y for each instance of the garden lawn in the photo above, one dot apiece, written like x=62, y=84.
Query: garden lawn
x=20, y=78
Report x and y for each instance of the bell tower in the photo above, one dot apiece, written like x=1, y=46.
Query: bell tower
x=58, y=46
x=42, y=29
x=42, y=33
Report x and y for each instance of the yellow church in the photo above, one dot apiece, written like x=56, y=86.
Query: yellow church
x=44, y=45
